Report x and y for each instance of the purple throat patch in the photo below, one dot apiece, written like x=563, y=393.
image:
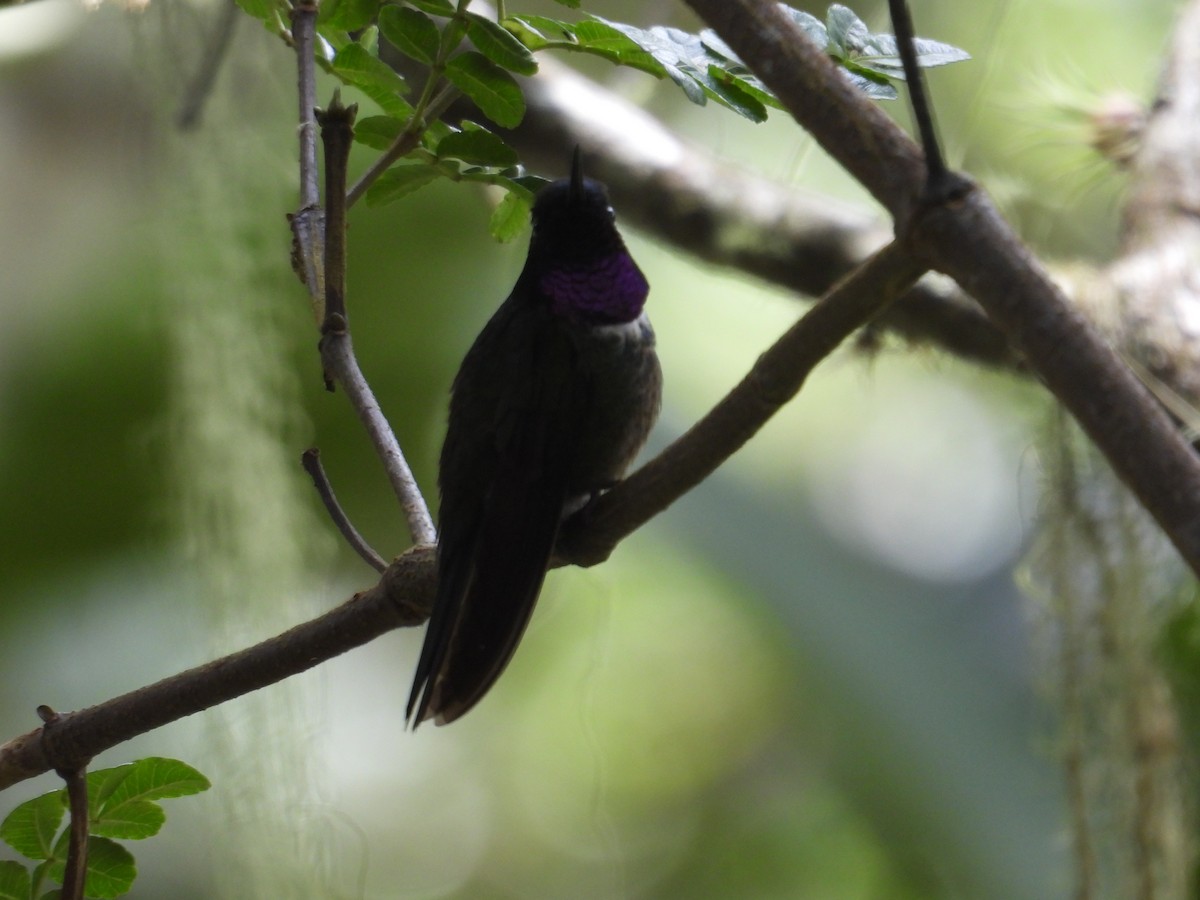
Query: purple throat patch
x=611, y=289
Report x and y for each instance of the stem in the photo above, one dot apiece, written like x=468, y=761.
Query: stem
x=311, y=460
x=308, y=223
x=337, y=351
x=404, y=144
x=935, y=166
x=430, y=105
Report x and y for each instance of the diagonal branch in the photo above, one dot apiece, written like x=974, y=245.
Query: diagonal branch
x=402, y=598
x=404, y=594
x=967, y=239
x=775, y=379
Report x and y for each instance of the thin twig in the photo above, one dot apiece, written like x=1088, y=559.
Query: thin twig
x=404, y=143
x=337, y=350
x=311, y=460
x=308, y=223
x=337, y=136
x=935, y=166
x=774, y=380
x=75, y=876
x=337, y=353
x=304, y=22
x=210, y=64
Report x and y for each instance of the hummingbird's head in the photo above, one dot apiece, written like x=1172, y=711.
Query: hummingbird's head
x=577, y=261
x=573, y=220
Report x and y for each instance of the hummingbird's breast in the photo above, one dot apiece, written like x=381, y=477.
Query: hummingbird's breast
x=620, y=362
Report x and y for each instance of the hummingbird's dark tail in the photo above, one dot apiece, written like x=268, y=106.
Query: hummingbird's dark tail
x=493, y=550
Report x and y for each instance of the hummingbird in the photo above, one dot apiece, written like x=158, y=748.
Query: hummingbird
x=550, y=406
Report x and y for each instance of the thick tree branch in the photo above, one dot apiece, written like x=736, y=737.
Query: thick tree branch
x=401, y=598
x=775, y=379
x=968, y=240
x=1150, y=294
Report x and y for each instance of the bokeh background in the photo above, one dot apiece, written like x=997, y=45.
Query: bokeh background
x=812, y=677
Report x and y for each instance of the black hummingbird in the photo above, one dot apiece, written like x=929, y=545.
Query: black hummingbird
x=550, y=406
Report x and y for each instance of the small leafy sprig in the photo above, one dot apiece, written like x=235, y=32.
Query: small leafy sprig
x=480, y=56
x=121, y=805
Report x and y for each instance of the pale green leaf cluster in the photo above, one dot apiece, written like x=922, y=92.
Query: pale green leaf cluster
x=121, y=805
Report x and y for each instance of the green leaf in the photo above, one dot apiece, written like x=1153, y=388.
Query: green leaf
x=737, y=94
x=847, y=32
x=570, y=4
x=399, y=181
x=110, y=869
x=478, y=146
x=701, y=73
x=360, y=68
x=29, y=829
x=452, y=35
x=102, y=782
x=931, y=53
x=157, y=778
x=715, y=44
x=604, y=39
x=500, y=46
x=874, y=85
x=374, y=78
x=378, y=132
x=132, y=820
x=531, y=184
x=492, y=89
x=435, y=7
x=746, y=83
x=411, y=32
x=347, y=15
x=538, y=32
x=510, y=217
x=14, y=881
x=850, y=41
x=810, y=25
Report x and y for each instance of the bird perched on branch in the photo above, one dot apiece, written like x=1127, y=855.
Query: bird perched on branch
x=552, y=402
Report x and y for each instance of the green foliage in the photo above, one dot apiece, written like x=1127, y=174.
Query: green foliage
x=510, y=217
x=121, y=804
x=15, y=883
x=494, y=91
x=500, y=46
x=411, y=32
x=348, y=15
x=477, y=145
x=431, y=32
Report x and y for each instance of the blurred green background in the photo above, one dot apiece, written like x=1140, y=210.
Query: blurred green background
x=810, y=678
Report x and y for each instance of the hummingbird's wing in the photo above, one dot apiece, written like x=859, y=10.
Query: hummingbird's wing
x=514, y=420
